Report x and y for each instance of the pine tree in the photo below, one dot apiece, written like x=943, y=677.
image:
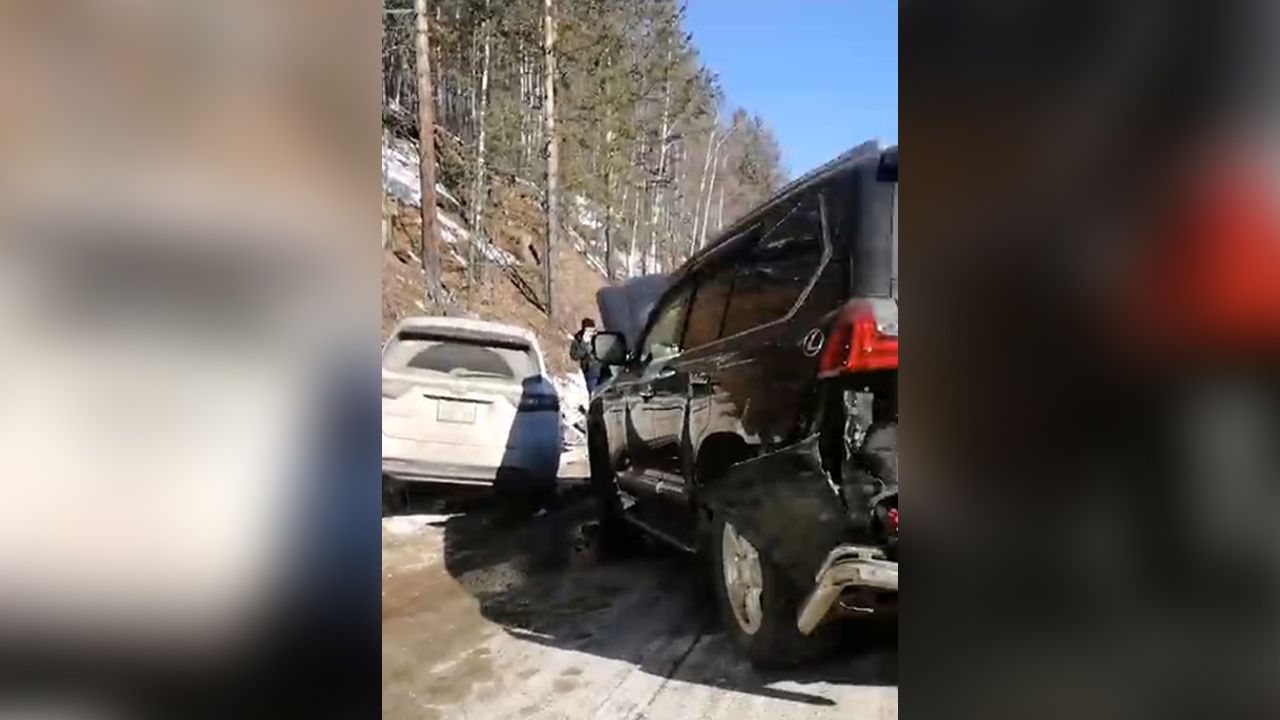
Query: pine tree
x=640, y=135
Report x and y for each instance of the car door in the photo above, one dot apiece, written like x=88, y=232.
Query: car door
x=612, y=401
x=656, y=397
x=771, y=332
x=694, y=372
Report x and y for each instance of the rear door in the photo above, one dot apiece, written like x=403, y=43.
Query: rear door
x=704, y=355
x=766, y=358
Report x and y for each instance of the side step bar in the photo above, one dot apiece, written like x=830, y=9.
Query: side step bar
x=845, y=567
x=660, y=534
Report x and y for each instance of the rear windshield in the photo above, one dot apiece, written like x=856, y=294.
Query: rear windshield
x=461, y=356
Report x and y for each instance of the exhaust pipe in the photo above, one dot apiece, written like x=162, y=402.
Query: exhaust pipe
x=846, y=566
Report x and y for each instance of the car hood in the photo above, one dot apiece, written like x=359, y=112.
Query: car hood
x=625, y=308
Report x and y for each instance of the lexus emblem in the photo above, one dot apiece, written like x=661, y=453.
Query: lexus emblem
x=813, y=342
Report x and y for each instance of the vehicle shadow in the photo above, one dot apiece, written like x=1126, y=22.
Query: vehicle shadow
x=545, y=579
x=527, y=477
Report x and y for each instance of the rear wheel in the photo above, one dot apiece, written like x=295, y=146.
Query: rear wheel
x=758, y=602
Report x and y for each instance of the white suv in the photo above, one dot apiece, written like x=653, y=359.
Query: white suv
x=467, y=402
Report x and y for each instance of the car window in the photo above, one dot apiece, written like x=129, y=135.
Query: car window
x=778, y=267
x=706, y=312
x=663, y=338
x=831, y=289
x=466, y=357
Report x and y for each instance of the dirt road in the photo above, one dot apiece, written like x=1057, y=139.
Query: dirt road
x=485, y=615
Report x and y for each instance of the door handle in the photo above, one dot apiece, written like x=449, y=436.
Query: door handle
x=647, y=392
x=699, y=379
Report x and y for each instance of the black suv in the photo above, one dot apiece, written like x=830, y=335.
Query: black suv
x=756, y=420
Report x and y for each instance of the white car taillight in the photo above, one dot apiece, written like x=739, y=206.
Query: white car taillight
x=392, y=389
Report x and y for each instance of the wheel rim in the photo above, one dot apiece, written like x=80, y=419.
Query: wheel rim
x=743, y=581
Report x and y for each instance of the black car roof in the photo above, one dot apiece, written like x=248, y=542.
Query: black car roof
x=864, y=154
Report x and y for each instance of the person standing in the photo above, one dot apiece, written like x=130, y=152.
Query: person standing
x=580, y=350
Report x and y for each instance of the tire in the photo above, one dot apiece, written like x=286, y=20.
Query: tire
x=881, y=452
x=774, y=641
x=394, y=496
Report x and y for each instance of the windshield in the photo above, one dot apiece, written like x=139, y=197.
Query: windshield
x=465, y=357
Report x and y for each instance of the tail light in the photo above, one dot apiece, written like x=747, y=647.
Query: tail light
x=865, y=338
x=392, y=389
x=892, y=520
x=539, y=403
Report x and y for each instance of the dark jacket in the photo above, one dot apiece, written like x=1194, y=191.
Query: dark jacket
x=580, y=350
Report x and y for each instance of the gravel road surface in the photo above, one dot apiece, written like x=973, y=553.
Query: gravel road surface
x=487, y=614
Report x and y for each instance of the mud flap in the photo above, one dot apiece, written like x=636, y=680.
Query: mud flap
x=784, y=502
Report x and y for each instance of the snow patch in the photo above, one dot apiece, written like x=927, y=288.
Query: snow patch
x=404, y=525
x=572, y=389
x=586, y=213
x=584, y=250
x=400, y=173
x=400, y=180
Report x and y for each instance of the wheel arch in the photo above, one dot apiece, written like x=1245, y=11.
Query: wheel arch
x=715, y=455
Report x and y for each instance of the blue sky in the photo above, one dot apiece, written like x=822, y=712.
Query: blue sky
x=822, y=73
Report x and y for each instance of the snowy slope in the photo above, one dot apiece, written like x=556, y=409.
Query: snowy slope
x=400, y=180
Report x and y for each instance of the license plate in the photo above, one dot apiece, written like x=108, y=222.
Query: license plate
x=451, y=411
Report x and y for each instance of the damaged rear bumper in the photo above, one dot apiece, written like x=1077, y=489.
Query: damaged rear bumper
x=786, y=502
x=846, y=567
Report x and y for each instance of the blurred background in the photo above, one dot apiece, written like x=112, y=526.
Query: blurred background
x=1093, y=271
x=189, y=210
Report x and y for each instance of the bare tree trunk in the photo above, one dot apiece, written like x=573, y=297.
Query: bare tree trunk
x=622, y=218
x=636, y=249
x=717, y=161
x=553, y=154
x=675, y=201
x=663, y=147
x=386, y=223
x=439, y=85
x=696, y=244
x=427, y=157
x=720, y=215
x=524, y=103
x=608, y=219
x=635, y=231
x=539, y=97
x=478, y=190
x=711, y=188
x=469, y=103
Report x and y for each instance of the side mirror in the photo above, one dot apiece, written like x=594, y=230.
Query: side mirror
x=609, y=348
